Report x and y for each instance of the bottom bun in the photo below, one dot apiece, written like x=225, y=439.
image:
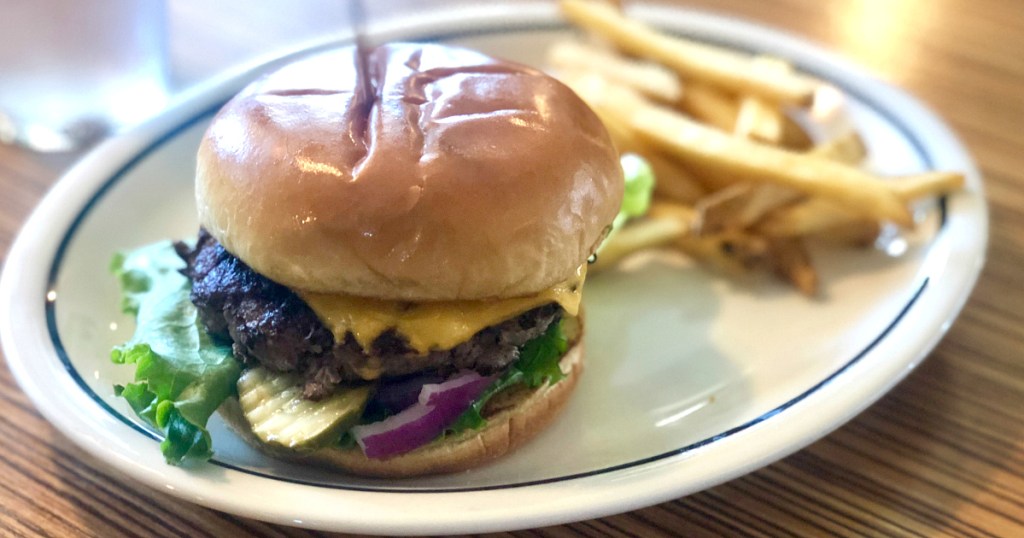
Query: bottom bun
x=513, y=418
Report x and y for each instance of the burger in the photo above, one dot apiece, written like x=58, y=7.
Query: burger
x=393, y=247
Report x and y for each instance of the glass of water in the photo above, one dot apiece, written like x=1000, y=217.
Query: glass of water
x=72, y=72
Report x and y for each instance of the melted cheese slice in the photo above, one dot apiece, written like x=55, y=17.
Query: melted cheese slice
x=432, y=325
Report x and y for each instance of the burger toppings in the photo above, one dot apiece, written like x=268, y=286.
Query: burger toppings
x=270, y=325
x=436, y=408
x=435, y=324
x=273, y=405
x=464, y=401
x=183, y=374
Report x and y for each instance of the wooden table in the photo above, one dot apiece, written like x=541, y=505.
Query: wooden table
x=942, y=454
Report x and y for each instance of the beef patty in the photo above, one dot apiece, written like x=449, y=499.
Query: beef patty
x=268, y=324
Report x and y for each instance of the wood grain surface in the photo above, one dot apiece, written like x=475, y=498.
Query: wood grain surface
x=941, y=455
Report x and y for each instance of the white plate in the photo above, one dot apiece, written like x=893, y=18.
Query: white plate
x=691, y=380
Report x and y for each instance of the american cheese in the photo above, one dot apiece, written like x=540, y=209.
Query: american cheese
x=436, y=324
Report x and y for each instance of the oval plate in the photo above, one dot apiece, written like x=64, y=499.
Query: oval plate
x=691, y=379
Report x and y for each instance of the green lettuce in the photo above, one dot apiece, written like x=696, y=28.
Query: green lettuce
x=181, y=375
x=636, y=197
x=537, y=364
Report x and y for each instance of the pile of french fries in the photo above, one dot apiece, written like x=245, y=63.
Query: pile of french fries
x=741, y=185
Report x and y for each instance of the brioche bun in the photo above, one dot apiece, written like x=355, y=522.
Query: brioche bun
x=463, y=177
x=519, y=416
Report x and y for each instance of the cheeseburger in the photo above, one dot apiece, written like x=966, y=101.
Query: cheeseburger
x=394, y=243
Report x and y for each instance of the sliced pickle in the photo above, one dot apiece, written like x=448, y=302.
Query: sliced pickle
x=272, y=403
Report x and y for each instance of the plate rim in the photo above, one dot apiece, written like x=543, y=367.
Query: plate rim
x=129, y=147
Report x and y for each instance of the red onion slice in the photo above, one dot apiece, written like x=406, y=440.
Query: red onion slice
x=466, y=385
x=438, y=406
x=395, y=396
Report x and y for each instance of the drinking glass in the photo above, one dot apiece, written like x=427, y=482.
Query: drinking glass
x=72, y=72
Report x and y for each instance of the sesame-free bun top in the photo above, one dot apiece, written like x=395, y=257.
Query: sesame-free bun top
x=456, y=176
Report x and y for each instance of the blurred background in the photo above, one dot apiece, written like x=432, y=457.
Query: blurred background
x=75, y=72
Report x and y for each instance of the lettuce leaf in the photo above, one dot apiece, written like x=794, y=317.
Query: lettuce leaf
x=181, y=375
x=636, y=196
x=537, y=364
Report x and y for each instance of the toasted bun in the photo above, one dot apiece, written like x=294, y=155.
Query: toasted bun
x=520, y=416
x=462, y=177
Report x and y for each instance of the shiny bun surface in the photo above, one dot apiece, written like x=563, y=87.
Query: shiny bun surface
x=425, y=172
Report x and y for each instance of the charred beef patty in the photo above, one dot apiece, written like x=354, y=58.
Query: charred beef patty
x=269, y=325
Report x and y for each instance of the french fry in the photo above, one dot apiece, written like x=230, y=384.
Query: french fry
x=740, y=183
x=599, y=93
x=740, y=206
x=671, y=210
x=763, y=200
x=710, y=105
x=621, y=133
x=794, y=136
x=808, y=217
x=848, y=148
x=613, y=104
x=610, y=101
x=718, y=154
x=818, y=216
x=720, y=210
x=718, y=66
x=641, y=234
x=911, y=188
x=859, y=233
x=859, y=191
x=674, y=181
x=791, y=262
x=647, y=78
x=757, y=118
x=734, y=253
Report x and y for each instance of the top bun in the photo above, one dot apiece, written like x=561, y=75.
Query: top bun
x=456, y=176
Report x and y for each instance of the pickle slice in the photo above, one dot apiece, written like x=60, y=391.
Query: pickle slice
x=273, y=405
